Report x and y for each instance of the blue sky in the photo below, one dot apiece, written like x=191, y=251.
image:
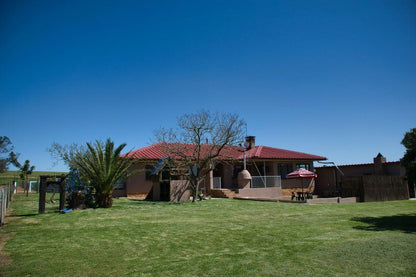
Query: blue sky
x=332, y=78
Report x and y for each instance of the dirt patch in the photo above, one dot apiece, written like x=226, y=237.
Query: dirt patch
x=4, y=256
x=9, y=217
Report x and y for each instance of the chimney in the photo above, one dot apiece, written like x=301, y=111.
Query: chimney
x=250, y=142
x=379, y=161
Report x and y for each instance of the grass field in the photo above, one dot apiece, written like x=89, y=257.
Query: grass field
x=8, y=176
x=217, y=237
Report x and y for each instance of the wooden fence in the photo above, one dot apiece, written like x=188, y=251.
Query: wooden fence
x=6, y=194
x=375, y=188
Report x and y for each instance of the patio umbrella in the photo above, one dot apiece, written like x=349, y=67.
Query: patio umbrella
x=301, y=173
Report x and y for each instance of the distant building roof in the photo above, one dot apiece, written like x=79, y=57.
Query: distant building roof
x=379, y=155
x=159, y=150
x=363, y=164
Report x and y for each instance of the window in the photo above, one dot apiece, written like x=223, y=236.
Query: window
x=304, y=166
x=149, y=169
x=268, y=170
x=120, y=184
x=284, y=169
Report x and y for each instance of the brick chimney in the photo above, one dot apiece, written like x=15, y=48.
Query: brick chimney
x=379, y=162
x=250, y=142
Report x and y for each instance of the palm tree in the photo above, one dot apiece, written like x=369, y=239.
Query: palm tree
x=103, y=166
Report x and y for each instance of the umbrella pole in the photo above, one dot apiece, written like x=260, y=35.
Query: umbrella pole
x=302, y=190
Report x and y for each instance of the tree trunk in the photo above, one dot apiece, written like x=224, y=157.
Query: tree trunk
x=104, y=200
x=196, y=189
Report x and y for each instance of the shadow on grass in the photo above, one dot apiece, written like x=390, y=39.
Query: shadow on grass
x=141, y=202
x=24, y=215
x=151, y=202
x=401, y=222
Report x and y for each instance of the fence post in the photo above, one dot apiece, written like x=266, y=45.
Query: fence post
x=7, y=196
x=5, y=201
x=2, y=213
x=42, y=195
x=11, y=192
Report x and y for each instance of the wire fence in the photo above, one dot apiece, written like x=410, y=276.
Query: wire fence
x=6, y=194
x=265, y=181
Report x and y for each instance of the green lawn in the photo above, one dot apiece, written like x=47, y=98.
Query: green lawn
x=217, y=237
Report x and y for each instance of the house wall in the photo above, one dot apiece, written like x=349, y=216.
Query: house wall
x=272, y=166
x=325, y=182
x=137, y=185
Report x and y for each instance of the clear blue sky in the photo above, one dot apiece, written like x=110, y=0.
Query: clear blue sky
x=332, y=78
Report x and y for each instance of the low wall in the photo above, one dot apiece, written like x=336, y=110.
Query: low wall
x=332, y=200
x=271, y=193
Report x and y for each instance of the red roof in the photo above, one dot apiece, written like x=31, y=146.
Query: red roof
x=159, y=150
x=152, y=152
x=266, y=152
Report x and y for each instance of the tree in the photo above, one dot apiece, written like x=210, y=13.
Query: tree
x=5, y=148
x=198, y=141
x=103, y=167
x=25, y=170
x=409, y=158
x=66, y=153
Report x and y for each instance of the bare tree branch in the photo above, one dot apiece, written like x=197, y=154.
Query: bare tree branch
x=199, y=140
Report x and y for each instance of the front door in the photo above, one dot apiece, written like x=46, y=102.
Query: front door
x=165, y=191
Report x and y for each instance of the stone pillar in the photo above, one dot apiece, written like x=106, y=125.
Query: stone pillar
x=273, y=168
x=209, y=181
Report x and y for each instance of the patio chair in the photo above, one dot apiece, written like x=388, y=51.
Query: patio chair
x=293, y=196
